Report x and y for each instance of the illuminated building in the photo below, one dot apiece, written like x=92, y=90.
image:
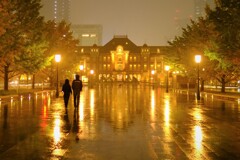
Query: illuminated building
x=120, y=60
x=57, y=10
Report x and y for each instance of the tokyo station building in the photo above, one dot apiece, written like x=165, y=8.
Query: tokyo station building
x=120, y=60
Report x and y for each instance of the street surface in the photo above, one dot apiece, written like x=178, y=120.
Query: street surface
x=120, y=122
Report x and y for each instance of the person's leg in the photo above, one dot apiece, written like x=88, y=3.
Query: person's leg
x=75, y=99
x=78, y=99
x=65, y=101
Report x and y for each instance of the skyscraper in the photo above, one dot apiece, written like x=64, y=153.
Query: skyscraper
x=88, y=35
x=200, y=6
x=57, y=10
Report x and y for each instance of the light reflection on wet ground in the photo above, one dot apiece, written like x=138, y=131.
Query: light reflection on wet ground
x=120, y=122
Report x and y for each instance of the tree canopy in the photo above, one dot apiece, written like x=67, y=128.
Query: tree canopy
x=216, y=38
x=28, y=43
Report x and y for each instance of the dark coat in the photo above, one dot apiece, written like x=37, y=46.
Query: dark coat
x=66, y=88
x=77, y=86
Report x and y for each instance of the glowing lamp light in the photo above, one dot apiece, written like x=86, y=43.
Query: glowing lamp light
x=167, y=68
x=57, y=57
x=198, y=58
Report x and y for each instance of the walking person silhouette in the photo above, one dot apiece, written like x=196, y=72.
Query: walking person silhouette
x=66, y=89
x=77, y=88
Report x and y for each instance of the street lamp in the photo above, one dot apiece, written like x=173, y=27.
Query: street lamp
x=57, y=59
x=81, y=67
x=198, y=60
x=91, y=72
x=153, y=77
x=167, y=69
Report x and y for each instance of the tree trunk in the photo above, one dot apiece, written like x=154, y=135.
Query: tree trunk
x=33, y=81
x=6, y=77
x=223, y=84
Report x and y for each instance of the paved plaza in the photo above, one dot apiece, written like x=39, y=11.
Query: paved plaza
x=120, y=122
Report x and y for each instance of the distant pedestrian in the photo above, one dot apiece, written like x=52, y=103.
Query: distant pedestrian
x=66, y=89
x=77, y=88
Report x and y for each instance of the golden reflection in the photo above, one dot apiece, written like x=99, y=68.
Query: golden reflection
x=81, y=111
x=198, y=130
x=44, y=111
x=198, y=137
x=197, y=116
x=166, y=112
x=166, y=127
x=21, y=101
x=56, y=131
x=238, y=101
x=152, y=105
x=11, y=101
x=92, y=102
x=48, y=100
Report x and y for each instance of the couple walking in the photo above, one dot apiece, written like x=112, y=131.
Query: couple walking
x=67, y=90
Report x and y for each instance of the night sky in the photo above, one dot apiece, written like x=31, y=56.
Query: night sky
x=144, y=21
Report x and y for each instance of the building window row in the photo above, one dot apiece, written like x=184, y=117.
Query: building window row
x=106, y=67
x=107, y=59
x=94, y=50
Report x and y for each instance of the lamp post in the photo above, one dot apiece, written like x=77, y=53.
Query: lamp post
x=81, y=70
x=198, y=60
x=57, y=59
x=153, y=77
x=167, y=69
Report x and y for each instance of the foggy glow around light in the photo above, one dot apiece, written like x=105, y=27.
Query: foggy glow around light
x=56, y=131
x=91, y=71
x=57, y=58
x=197, y=58
x=167, y=68
x=81, y=67
x=153, y=72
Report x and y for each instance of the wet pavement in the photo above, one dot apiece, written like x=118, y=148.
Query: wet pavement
x=120, y=122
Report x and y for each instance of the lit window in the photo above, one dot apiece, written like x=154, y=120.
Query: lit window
x=93, y=35
x=145, y=67
x=85, y=35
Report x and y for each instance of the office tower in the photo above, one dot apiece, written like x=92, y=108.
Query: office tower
x=200, y=6
x=57, y=10
x=88, y=35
